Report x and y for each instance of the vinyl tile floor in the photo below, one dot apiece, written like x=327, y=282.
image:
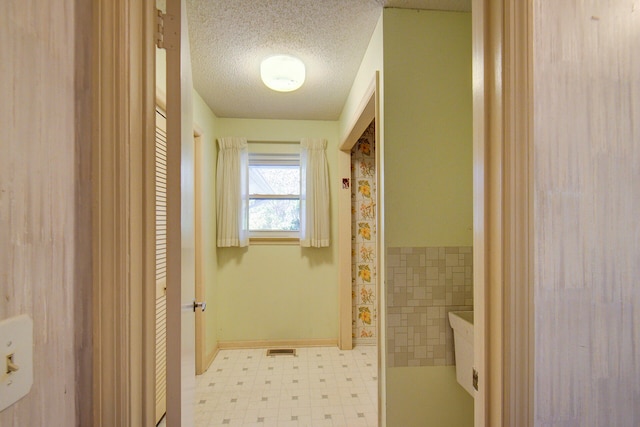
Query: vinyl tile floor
x=320, y=386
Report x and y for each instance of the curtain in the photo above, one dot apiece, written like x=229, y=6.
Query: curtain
x=232, y=192
x=314, y=193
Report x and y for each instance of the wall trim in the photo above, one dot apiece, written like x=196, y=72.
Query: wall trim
x=319, y=342
x=122, y=129
x=363, y=116
x=345, y=332
x=381, y=256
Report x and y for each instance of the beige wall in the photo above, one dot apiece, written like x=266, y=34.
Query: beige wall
x=587, y=203
x=427, y=135
x=45, y=228
x=428, y=178
x=271, y=292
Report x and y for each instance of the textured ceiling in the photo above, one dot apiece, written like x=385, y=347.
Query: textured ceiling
x=229, y=39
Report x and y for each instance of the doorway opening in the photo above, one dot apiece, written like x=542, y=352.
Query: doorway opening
x=491, y=33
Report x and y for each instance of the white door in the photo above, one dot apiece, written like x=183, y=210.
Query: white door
x=180, y=220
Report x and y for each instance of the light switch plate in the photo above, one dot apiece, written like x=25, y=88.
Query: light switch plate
x=16, y=341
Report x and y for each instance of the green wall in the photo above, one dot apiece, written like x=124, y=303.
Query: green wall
x=428, y=195
x=280, y=292
x=265, y=292
x=427, y=128
x=427, y=396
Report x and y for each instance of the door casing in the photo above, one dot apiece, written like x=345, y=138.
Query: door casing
x=503, y=211
x=123, y=290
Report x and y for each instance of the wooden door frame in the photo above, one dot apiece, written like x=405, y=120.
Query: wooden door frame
x=365, y=113
x=123, y=76
x=123, y=129
x=203, y=360
x=503, y=211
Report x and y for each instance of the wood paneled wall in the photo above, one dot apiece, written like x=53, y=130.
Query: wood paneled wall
x=587, y=210
x=45, y=217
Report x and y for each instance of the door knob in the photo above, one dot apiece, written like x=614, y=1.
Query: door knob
x=202, y=305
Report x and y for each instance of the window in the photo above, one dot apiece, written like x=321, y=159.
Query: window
x=274, y=195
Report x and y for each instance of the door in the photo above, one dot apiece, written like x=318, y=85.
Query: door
x=180, y=220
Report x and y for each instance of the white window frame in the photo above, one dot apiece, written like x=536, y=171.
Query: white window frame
x=274, y=159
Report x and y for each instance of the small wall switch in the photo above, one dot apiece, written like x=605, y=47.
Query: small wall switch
x=16, y=359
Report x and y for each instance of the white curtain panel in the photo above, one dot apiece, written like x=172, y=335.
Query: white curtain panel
x=314, y=193
x=233, y=192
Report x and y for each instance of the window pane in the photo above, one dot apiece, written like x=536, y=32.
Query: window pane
x=270, y=215
x=270, y=180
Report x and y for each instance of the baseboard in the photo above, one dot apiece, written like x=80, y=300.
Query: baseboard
x=365, y=342
x=209, y=360
x=227, y=345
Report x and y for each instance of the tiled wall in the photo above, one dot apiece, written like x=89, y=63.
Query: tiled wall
x=423, y=285
x=363, y=239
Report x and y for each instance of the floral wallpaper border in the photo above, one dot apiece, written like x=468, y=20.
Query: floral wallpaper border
x=363, y=239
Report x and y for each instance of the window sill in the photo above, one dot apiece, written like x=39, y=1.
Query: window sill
x=274, y=241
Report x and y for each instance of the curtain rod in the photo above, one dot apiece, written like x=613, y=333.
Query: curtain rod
x=273, y=142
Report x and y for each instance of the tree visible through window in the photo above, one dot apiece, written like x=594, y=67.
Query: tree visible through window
x=274, y=195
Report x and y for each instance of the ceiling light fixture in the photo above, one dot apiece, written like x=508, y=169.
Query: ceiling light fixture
x=282, y=73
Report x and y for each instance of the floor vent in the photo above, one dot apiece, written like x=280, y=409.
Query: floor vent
x=281, y=352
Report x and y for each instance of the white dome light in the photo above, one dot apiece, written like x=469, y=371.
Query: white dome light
x=282, y=73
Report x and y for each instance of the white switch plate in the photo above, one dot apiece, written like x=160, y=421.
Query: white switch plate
x=16, y=338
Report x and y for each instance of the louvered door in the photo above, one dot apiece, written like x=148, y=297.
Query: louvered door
x=161, y=264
